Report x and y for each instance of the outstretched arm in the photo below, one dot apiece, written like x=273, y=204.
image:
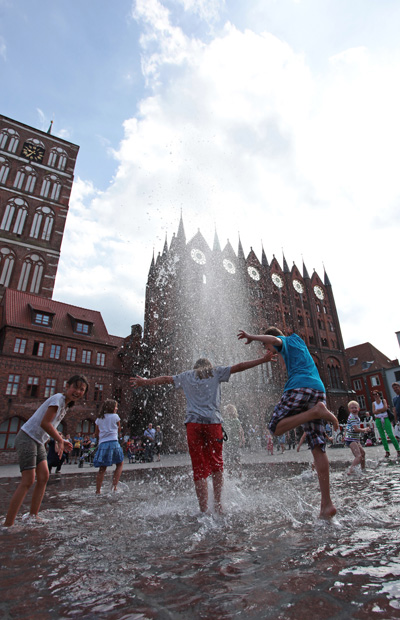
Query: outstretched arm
x=267, y=357
x=141, y=382
x=272, y=340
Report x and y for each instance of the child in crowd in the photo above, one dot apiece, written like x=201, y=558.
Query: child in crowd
x=202, y=390
x=76, y=451
x=30, y=442
x=109, y=451
x=352, y=436
x=53, y=460
x=302, y=403
x=130, y=451
x=234, y=430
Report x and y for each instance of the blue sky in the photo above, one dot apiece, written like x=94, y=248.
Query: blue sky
x=286, y=111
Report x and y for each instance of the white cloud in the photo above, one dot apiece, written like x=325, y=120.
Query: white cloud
x=239, y=133
x=208, y=10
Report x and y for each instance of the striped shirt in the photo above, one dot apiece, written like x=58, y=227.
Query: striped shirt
x=351, y=434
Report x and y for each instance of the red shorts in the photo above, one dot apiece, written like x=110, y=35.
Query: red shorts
x=205, y=448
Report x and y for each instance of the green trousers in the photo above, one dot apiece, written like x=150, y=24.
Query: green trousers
x=385, y=428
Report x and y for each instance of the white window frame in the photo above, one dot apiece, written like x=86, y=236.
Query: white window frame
x=20, y=345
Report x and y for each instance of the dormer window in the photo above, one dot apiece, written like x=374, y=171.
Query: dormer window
x=42, y=318
x=81, y=327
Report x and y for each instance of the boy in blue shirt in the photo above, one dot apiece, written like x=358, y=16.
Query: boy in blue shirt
x=302, y=403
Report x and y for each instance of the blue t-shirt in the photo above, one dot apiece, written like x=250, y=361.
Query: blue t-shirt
x=300, y=366
x=203, y=396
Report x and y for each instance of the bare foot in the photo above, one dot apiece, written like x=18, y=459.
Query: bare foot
x=31, y=518
x=325, y=414
x=218, y=509
x=327, y=512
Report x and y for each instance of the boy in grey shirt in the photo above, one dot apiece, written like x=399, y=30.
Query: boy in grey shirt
x=202, y=389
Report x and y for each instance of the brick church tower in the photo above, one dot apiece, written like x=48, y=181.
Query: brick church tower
x=36, y=175
x=197, y=298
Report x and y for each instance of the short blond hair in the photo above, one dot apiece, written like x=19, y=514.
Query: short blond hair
x=353, y=402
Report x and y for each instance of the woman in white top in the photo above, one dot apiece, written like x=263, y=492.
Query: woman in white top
x=109, y=452
x=383, y=424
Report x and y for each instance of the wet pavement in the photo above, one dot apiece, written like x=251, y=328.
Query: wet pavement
x=146, y=553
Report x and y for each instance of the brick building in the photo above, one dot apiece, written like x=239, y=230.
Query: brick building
x=42, y=344
x=197, y=298
x=371, y=370
x=36, y=175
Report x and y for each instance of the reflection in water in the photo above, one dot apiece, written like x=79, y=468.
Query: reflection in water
x=146, y=552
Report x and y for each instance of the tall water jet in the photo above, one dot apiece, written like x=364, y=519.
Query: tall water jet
x=197, y=298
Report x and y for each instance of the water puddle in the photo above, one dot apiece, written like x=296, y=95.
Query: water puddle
x=146, y=552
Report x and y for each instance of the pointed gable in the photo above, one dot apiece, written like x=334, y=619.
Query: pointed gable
x=252, y=258
x=275, y=266
x=199, y=242
x=228, y=250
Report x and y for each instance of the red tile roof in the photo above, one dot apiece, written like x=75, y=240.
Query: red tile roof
x=17, y=312
x=366, y=352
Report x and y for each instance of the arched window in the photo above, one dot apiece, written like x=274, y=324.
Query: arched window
x=42, y=223
x=25, y=179
x=8, y=432
x=4, y=169
x=14, y=216
x=9, y=140
x=85, y=427
x=51, y=187
x=31, y=274
x=334, y=372
x=58, y=158
x=7, y=260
